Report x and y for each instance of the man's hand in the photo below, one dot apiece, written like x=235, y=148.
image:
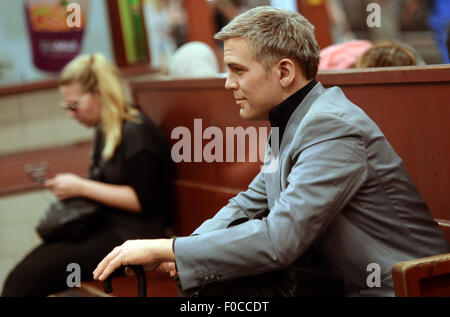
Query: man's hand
x=164, y=267
x=148, y=253
x=168, y=267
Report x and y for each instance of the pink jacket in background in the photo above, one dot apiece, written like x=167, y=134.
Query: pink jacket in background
x=343, y=55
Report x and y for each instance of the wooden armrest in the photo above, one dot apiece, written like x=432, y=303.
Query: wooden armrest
x=444, y=224
x=424, y=277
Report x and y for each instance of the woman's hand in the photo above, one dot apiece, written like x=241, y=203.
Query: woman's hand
x=65, y=185
x=117, y=196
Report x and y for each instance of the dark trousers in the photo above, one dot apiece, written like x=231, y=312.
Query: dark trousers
x=44, y=271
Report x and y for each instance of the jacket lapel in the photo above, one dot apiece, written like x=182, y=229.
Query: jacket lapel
x=273, y=175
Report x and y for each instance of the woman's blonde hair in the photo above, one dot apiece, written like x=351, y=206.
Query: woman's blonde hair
x=274, y=33
x=96, y=75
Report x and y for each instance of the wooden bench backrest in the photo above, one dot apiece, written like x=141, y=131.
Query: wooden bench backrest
x=410, y=105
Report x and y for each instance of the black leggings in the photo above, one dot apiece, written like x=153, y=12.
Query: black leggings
x=44, y=271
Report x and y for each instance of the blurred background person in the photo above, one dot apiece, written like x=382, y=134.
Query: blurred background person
x=388, y=54
x=448, y=41
x=194, y=59
x=340, y=28
x=363, y=53
x=343, y=55
x=226, y=10
x=390, y=25
x=129, y=176
x=438, y=20
x=166, y=24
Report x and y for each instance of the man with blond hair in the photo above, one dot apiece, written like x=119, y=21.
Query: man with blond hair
x=339, y=202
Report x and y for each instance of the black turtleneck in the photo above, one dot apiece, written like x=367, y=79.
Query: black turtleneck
x=279, y=116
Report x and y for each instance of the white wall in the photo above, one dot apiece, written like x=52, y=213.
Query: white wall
x=15, y=47
x=33, y=120
x=285, y=4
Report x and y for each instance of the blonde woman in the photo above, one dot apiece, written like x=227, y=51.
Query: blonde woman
x=129, y=177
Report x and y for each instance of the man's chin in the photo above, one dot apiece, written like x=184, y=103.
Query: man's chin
x=250, y=117
x=245, y=115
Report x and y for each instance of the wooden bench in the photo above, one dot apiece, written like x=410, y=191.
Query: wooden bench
x=71, y=158
x=409, y=104
x=424, y=277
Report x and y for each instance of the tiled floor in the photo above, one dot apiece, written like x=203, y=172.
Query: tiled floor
x=19, y=215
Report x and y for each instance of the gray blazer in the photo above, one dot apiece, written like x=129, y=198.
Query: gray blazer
x=340, y=188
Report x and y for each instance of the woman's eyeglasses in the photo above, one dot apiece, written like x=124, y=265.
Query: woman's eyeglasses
x=73, y=105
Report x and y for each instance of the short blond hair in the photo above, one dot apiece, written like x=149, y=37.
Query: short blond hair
x=274, y=33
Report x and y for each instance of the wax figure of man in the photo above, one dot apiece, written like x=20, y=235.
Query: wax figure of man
x=339, y=190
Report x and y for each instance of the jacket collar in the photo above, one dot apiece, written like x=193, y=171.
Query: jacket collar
x=295, y=119
x=279, y=115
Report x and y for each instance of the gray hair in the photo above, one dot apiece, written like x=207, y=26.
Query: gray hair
x=274, y=33
x=194, y=59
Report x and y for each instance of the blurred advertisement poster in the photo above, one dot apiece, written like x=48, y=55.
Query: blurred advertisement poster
x=56, y=31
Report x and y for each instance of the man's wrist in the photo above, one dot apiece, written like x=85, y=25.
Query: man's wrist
x=173, y=250
x=166, y=250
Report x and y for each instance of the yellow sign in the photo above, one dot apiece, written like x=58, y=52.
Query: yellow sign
x=315, y=2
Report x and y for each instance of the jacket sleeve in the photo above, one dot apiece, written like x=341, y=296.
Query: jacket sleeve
x=244, y=205
x=324, y=176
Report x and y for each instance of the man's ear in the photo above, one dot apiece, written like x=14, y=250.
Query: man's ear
x=287, y=69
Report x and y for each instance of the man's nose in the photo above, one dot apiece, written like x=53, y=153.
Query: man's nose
x=231, y=84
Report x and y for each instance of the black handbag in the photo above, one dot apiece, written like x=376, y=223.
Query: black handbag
x=75, y=218
x=70, y=220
